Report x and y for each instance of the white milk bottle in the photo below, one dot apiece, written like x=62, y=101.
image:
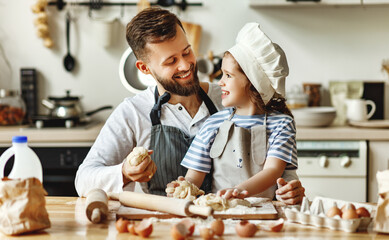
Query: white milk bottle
x=26, y=163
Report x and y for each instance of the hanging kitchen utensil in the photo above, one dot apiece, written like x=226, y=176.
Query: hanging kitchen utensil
x=68, y=61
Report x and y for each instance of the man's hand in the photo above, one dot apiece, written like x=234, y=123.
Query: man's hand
x=232, y=193
x=140, y=173
x=290, y=192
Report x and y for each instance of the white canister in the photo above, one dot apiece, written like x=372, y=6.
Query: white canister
x=104, y=31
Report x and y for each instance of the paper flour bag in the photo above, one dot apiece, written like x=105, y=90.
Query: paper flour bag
x=22, y=206
x=381, y=219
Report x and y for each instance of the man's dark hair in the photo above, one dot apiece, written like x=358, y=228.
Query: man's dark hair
x=152, y=25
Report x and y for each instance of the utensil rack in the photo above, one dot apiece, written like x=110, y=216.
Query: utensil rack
x=98, y=4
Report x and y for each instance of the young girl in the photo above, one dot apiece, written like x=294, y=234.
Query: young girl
x=248, y=145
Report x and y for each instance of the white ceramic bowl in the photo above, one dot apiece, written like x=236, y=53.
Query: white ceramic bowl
x=314, y=116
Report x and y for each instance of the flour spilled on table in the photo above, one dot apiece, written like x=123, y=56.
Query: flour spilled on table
x=258, y=205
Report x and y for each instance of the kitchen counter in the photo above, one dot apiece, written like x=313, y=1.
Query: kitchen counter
x=68, y=221
x=89, y=134
x=343, y=133
x=86, y=134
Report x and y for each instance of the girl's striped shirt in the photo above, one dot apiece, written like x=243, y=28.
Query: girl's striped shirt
x=281, y=133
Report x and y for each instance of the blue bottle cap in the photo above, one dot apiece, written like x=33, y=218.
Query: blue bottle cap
x=19, y=139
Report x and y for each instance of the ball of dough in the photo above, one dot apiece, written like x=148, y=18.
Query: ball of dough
x=185, y=190
x=137, y=156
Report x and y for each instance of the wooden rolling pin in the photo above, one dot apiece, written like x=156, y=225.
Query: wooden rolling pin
x=96, y=205
x=175, y=206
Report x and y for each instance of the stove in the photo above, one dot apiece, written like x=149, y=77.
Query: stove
x=83, y=125
x=45, y=121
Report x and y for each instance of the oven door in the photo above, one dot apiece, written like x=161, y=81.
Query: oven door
x=60, y=162
x=333, y=169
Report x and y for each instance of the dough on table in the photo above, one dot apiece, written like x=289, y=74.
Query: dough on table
x=219, y=203
x=137, y=156
x=185, y=190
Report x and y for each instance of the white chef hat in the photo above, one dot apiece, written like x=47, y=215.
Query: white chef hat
x=263, y=61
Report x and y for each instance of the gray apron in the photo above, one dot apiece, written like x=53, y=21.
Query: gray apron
x=238, y=154
x=170, y=145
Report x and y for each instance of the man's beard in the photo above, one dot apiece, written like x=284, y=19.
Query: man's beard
x=174, y=87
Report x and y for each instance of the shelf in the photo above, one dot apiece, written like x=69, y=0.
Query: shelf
x=98, y=4
x=322, y=3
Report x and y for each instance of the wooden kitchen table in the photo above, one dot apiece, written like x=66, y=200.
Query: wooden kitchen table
x=68, y=221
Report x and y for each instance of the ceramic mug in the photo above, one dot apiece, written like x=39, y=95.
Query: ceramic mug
x=357, y=109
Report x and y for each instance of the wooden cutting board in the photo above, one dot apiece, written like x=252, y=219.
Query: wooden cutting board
x=193, y=33
x=262, y=210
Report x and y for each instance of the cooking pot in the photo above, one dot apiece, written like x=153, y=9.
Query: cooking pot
x=68, y=107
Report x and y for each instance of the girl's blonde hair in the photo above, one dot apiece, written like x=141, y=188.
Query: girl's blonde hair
x=276, y=103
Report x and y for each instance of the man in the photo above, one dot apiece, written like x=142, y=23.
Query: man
x=164, y=118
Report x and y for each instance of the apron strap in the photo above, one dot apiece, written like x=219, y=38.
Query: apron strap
x=155, y=114
x=221, y=139
x=222, y=136
x=265, y=124
x=208, y=102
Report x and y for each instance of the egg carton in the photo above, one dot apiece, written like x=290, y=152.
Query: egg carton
x=314, y=215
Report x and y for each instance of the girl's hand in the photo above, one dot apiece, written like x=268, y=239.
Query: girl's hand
x=290, y=192
x=232, y=193
x=173, y=185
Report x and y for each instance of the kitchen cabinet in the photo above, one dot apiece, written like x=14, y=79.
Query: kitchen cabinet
x=378, y=161
x=321, y=3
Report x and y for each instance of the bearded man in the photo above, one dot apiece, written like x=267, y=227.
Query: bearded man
x=164, y=118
